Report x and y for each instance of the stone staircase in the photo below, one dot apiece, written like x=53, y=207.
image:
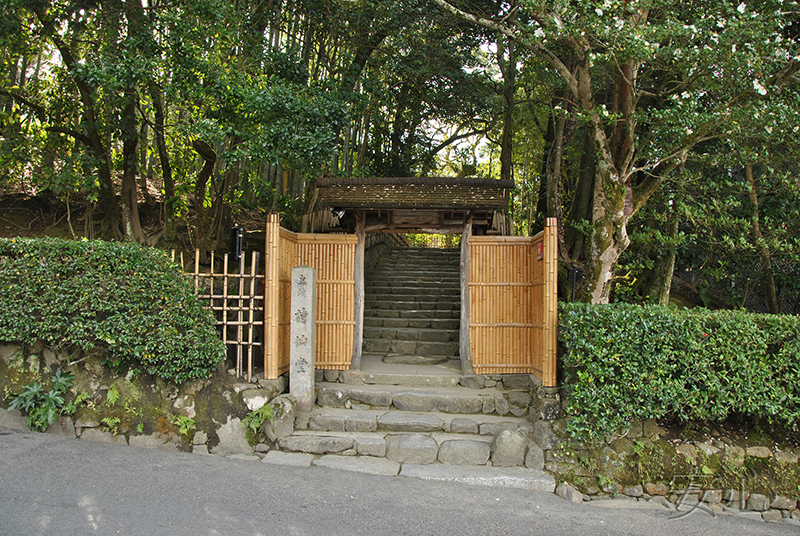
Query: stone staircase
x=409, y=410
x=412, y=306
x=430, y=423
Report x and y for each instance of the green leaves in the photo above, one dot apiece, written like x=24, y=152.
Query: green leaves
x=130, y=300
x=42, y=407
x=625, y=363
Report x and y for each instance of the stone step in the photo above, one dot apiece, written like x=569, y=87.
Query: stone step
x=401, y=276
x=413, y=289
x=372, y=303
x=438, y=314
x=388, y=346
x=421, y=448
x=412, y=334
x=410, y=256
x=415, y=379
x=328, y=419
x=456, y=399
x=431, y=296
x=399, y=323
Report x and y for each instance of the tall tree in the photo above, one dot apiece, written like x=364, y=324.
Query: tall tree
x=650, y=79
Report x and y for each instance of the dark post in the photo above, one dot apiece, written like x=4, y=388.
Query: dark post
x=236, y=243
x=575, y=275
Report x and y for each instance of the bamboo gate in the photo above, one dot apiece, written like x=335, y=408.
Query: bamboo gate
x=513, y=304
x=509, y=304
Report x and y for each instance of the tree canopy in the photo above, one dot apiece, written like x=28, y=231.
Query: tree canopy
x=661, y=134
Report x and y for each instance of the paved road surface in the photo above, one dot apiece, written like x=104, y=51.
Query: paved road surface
x=55, y=486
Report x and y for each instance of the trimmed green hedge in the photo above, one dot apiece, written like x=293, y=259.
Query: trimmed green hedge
x=624, y=363
x=132, y=301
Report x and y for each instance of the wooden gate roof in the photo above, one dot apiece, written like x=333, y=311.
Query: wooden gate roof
x=439, y=193
x=438, y=205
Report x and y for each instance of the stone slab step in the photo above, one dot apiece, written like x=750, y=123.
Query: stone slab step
x=400, y=323
x=401, y=279
x=388, y=346
x=371, y=302
x=428, y=296
x=412, y=334
x=359, y=464
x=410, y=448
x=385, y=421
x=413, y=314
x=453, y=293
x=454, y=399
x=410, y=380
x=506, y=477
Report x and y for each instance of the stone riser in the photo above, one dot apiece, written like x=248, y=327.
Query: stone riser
x=422, y=296
x=458, y=401
x=413, y=290
x=386, y=347
x=400, y=323
x=411, y=272
x=449, y=305
x=510, y=449
x=411, y=314
x=413, y=334
x=401, y=283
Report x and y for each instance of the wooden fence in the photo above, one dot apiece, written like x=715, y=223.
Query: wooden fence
x=513, y=304
x=333, y=255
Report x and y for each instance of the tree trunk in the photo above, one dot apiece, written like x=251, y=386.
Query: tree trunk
x=170, y=199
x=508, y=68
x=766, y=258
x=203, y=227
x=130, y=168
x=668, y=263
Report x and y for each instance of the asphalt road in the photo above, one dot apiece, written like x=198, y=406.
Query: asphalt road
x=55, y=486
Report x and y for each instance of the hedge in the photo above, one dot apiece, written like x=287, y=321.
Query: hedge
x=623, y=363
x=131, y=300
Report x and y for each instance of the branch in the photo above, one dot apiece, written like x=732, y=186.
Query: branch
x=38, y=110
x=455, y=137
x=535, y=46
x=70, y=132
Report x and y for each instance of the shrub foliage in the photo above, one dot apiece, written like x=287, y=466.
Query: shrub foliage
x=132, y=301
x=623, y=363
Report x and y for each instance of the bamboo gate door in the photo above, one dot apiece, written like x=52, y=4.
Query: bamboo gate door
x=513, y=304
x=333, y=255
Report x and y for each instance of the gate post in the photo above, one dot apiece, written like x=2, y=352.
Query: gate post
x=303, y=333
x=464, y=340
x=358, y=276
x=550, y=305
x=271, y=296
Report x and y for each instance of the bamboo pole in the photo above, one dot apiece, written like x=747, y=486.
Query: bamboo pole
x=550, y=305
x=271, y=296
x=239, y=319
x=251, y=315
x=225, y=300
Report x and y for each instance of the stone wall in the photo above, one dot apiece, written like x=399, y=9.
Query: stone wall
x=202, y=417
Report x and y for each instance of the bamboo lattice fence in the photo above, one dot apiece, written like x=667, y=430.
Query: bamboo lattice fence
x=237, y=300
